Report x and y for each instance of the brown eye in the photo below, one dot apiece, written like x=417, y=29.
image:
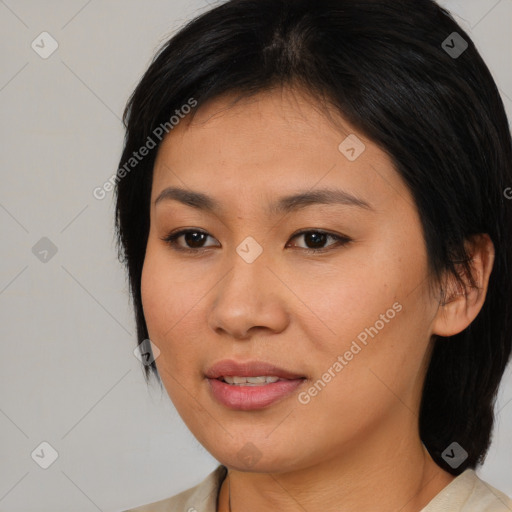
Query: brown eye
x=315, y=240
x=193, y=239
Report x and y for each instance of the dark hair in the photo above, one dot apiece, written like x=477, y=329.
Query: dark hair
x=389, y=68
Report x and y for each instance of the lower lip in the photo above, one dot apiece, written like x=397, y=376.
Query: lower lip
x=247, y=398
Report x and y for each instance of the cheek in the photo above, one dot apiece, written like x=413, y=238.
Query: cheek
x=152, y=294
x=366, y=314
x=172, y=310
x=161, y=309
x=339, y=301
x=166, y=296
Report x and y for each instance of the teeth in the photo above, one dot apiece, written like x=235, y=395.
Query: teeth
x=250, y=381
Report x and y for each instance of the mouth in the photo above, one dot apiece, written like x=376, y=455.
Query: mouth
x=234, y=380
x=239, y=372
x=251, y=385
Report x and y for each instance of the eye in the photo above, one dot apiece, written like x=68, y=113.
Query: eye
x=195, y=238
x=317, y=239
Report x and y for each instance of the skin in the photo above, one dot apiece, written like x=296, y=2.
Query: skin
x=355, y=445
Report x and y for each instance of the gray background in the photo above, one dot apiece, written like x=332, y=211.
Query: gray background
x=68, y=375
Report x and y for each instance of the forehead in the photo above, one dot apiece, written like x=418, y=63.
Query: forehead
x=246, y=150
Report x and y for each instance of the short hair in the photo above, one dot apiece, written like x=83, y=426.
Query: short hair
x=397, y=72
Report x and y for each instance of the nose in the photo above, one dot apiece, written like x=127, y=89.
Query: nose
x=249, y=299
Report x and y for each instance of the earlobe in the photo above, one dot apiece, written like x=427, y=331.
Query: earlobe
x=459, y=307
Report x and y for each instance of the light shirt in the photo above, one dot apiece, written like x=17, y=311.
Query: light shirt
x=465, y=493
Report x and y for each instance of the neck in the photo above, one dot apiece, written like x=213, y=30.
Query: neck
x=387, y=475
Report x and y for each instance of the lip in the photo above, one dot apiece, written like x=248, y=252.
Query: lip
x=247, y=398
x=232, y=368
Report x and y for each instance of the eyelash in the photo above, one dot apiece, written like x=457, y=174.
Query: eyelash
x=171, y=240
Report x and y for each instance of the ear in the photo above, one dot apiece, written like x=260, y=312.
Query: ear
x=459, y=309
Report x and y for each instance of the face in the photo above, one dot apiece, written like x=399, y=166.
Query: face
x=330, y=289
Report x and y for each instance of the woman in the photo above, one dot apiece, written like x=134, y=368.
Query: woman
x=312, y=208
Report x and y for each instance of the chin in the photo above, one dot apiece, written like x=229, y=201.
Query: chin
x=250, y=459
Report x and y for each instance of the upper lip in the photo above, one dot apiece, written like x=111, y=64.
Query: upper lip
x=230, y=367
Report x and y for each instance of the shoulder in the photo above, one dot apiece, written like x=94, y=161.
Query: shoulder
x=469, y=493
x=200, y=498
x=489, y=498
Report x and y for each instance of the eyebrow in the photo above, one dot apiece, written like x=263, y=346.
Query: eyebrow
x=284, y=204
